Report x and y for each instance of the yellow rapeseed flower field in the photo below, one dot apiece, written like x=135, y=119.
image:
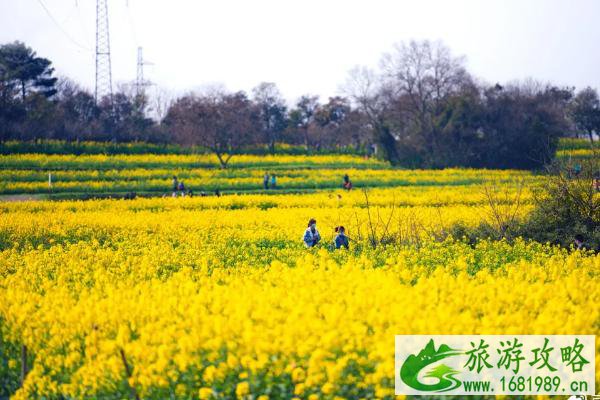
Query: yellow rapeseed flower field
x=217, y=298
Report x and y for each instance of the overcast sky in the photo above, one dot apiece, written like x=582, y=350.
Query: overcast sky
x=309, y=46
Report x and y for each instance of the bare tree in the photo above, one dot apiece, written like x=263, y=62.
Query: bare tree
x=272, y=112
x=379, y=229
x=422, y=76
x=161, y=100
x=223, y=123
x=503, y=207
x=302, y=116
x=367, y=92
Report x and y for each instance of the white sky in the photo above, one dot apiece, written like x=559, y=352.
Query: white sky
x=309, y=46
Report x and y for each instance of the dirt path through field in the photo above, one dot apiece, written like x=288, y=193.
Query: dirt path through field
x=22, y=197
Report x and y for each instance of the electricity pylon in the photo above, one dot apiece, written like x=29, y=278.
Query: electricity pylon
x=140, y=82
x=103, y=66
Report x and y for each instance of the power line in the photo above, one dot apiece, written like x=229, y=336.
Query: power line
x=70, y=14
x=58, y=25
x=132, y=29
x=81, y=23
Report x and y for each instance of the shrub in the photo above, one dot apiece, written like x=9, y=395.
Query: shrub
x=567, y=205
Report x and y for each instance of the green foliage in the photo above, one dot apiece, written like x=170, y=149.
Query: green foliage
x=23, y=72
x=140, y=147
x=485, y=231
x=573, y=144
x=585, y=112
x=568, y=206
x=9, y=365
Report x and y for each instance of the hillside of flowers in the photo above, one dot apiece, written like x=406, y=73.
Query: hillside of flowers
x=217, y=298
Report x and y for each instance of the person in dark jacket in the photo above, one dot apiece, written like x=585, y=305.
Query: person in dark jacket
x=341, y=240
x=347, y=182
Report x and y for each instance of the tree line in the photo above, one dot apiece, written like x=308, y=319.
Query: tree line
x=419, y=108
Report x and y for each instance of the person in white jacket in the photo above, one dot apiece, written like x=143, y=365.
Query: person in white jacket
x=311, y=235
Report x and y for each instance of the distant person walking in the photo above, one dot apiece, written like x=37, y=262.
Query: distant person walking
x=175, y=186
x=266, y=181
x=273, y=181
x=311, y=236
x=347, y=182
x=341, y=240
x=181, y=188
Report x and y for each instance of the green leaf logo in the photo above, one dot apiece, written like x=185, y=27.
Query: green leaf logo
x=413, y=365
